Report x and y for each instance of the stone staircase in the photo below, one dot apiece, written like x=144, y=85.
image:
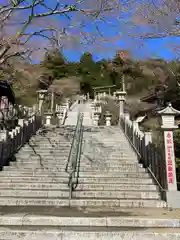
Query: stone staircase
x=115, y=198
x=38, y=176
x=110, y=174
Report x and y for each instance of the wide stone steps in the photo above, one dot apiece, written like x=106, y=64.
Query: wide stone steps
x=34, y=193
x=63, y=160
x=79, y=194
x=116, y=194
x=46, y=150
x=30, y=201
x=109, y=221
x=64, y=186
x=84, y=170
x=56, y=179
x=85, y=233
x=55, y=172
x=110, y=178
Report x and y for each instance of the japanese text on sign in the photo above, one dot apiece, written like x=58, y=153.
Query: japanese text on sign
x=169, y=143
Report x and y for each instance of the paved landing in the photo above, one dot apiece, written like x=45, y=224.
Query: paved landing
x=73, y=115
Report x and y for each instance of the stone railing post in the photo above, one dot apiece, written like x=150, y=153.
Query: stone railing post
x=60, y=118
x=135, y=128
x=96, y=118
x=93, y=109
x=48, y=118
x=120, y=96
x=126, y=119
x=168, y=126
x=41, y=98
x=108, y=117
x=147, y=141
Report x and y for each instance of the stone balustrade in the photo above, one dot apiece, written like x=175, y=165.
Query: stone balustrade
x=12, y=140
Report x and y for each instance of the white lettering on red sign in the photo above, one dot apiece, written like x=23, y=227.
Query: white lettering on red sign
x=169, y=143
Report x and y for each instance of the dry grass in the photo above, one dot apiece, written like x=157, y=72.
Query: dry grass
x=66, y=86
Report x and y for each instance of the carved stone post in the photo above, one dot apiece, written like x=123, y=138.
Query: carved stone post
x=60, y=118
x=93, y=109
x=108, y=117
x=120, y=95
x=52, y=101
x=168, y=126
x=48, y=117
x=96, y=118
x=126, y=119
x=147, y=141
x=41, y=98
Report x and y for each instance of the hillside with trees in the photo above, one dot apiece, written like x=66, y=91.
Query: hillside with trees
x=140, y=76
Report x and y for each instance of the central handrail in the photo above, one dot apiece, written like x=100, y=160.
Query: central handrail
x=72, y=166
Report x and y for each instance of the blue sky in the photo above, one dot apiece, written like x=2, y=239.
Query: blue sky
x=157, y=48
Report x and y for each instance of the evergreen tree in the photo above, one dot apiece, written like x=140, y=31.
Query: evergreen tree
x=56, y=64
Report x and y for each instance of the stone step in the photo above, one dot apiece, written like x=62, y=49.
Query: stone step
x=43, y=144
x=55, y=172
x=109, y=157
x=128, y=203
x=64, y=186
x=18, y=219
x=45, y=158
x=57, y=179
x=86, y=233
x=52, y=167
x=116, y=194
x=34, y=193
x=47, y=150
x=61, y=159
x=34, y=173
x=79, y=194
x=40, y=145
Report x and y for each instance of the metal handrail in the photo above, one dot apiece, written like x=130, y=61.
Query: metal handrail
x=75, y=155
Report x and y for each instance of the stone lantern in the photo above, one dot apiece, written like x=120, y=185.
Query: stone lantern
x=41, y=98
x=120, y=96
x=98, y=107
x=60, y=117
x=108, y=117
x=96, y=118
x=168, y=126
x=48, y=118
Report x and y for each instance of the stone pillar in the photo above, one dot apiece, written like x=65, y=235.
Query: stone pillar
x=96, y=118
x=93, y=109
x=3, y=135
x=147, y=141
x=48, y=117
x=126, y=119
x=21, y=122
x=52, y=101
x=108, y=117
x=121, y=99
x=168, y=126
x=60, y=117
x=41, y=98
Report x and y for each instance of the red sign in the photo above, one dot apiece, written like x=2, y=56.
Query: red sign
x=169, y=142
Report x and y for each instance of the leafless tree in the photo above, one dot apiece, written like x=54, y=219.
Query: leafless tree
x=159, y=18
x=21, y=21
